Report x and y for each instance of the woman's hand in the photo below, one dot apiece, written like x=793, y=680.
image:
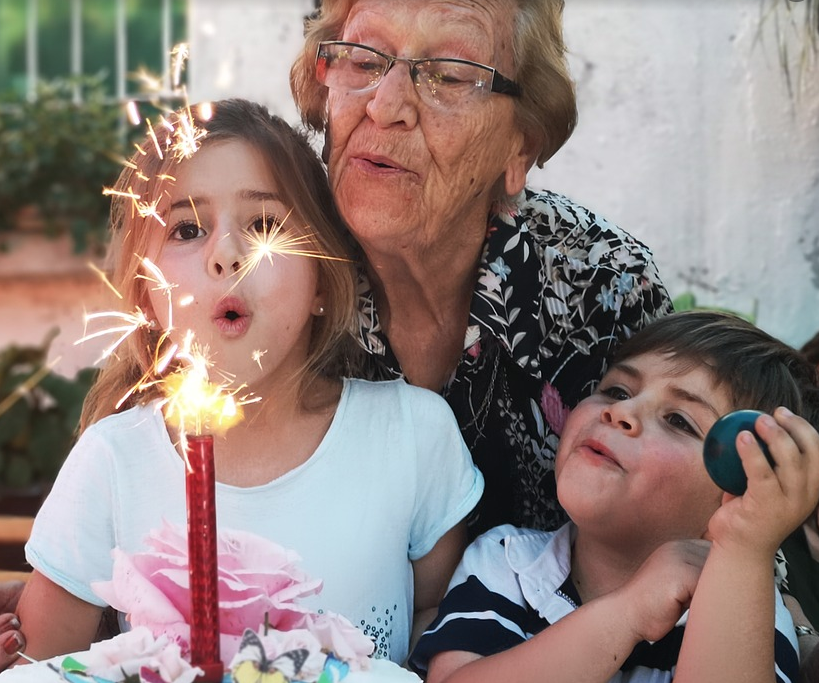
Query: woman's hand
x=778, y=499
x=11, y=638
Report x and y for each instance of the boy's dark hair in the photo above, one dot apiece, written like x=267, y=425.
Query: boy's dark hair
x=759, y=371
x=811, y=349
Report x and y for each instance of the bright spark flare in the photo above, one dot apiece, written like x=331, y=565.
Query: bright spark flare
x=133, y=113
x=179, y=55
x=148, y=82
x=157, y=277
x=193, y=402
x=205, y=111
x=148, y=210
x=186, y=136
x=257, y=357
x=131, y=323
x=277, y=241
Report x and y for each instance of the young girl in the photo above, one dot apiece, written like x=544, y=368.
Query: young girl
x=368, y=482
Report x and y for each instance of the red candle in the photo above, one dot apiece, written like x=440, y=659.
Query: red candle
x=201, y=500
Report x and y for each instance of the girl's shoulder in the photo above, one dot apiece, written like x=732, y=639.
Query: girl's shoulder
x=146, y=420
x=393, y=394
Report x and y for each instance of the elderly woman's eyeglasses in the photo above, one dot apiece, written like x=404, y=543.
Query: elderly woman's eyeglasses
x=450, y=82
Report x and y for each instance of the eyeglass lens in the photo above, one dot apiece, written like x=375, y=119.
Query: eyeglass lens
x=441, y=81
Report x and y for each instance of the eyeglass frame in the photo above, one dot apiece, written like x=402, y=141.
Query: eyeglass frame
x=500, y=83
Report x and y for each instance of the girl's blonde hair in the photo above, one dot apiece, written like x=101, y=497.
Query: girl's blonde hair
x=301, y=182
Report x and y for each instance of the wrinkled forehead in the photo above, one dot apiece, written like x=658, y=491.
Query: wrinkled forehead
x=423, y=25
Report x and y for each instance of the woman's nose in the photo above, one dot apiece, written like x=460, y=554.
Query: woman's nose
x=395, y=100
x=622, y=415
x=226, y=257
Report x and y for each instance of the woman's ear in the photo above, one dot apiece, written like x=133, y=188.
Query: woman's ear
x=521, y=159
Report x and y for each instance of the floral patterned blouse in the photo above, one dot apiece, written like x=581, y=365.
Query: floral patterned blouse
x=558, y=288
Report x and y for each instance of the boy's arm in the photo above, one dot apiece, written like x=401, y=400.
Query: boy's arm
x=53, y=620
x=730, y=631
x=591, y=643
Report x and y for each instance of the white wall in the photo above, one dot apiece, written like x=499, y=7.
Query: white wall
x=688, y=137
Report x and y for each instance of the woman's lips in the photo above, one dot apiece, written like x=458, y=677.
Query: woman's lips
x=231, y=317
x=379, y=165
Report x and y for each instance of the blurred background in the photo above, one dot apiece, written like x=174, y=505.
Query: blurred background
x=699, y=134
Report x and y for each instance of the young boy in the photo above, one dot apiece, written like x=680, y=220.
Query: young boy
x=630, y=590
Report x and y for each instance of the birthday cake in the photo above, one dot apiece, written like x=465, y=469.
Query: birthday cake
x=263, y=634
x=138, y=657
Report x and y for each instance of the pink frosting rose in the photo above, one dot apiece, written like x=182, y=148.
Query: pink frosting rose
x=257, y=579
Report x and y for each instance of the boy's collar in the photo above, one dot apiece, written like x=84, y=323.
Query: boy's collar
x=542, y=562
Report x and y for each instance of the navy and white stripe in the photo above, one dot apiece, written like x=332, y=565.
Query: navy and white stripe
x=512, y=583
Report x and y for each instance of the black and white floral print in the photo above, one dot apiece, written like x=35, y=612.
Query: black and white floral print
x=558, y=289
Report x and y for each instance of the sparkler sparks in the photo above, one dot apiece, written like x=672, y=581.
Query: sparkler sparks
x=179, y=56
x=276, y=241
x=257, y=357
x=192, y=401
x=131, y=323
x=180, y=373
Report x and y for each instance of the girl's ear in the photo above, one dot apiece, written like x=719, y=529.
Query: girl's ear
x=319, y=307
x=320, y=300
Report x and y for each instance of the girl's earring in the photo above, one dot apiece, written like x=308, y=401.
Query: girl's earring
x=321, y=310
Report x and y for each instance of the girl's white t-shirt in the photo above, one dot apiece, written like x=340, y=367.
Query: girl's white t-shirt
x=390, y=477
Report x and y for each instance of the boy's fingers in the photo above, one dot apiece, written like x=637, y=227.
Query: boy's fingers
x=756, y=465
x=800, y=442
x=798, y=429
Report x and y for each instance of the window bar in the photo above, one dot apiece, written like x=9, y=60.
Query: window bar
x=76, y=48
x=121, y=47
x=32, y=65
x=167, y=39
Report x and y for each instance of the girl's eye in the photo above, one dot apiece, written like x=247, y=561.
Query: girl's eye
x=677, y=421
x=266, y=224
x=615, y=392
x=186, y=231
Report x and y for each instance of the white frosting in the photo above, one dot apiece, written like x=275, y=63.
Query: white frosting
x=380, y=671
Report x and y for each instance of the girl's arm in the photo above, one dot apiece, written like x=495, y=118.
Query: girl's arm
x=730, y=631
x=432, y=574
x=53, y=620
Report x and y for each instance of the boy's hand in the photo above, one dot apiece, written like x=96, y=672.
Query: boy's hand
x=777, y=499
x=660, y=591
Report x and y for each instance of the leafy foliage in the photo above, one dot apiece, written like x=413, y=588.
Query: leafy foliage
x=38, y=428
x=58, y=154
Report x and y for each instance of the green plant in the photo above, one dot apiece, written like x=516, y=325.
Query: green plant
x=58, y=151
x=39, y=414
x=796, y=23
x=688, y=302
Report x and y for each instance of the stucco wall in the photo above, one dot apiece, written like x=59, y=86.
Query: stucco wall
x=688, y=137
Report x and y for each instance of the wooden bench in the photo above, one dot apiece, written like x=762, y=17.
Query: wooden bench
x=14, y=532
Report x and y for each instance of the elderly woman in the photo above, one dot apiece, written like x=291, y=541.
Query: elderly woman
x=505, y=300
